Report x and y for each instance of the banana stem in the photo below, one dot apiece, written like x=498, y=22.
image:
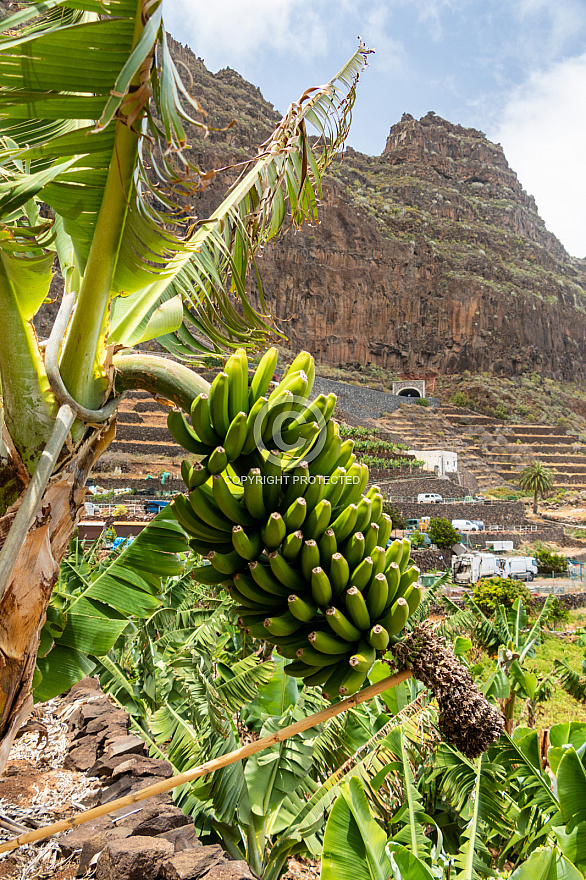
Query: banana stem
x=217, y=763
x=159, y=376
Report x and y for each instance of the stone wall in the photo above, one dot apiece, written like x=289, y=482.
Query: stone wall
x=501, y=513
x=411, y=487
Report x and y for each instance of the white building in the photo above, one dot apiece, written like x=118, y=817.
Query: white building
x=437, y=460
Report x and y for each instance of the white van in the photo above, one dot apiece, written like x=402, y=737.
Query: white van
x=429, y=498
x=465, y=525
x=519, y=568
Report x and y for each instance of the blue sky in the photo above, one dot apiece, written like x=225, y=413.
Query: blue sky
x=515, y=69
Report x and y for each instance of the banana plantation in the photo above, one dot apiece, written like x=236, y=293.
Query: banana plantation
x=264, y=633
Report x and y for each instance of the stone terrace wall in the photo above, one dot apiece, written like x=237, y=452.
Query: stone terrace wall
x=502, y=513
x=411, y=487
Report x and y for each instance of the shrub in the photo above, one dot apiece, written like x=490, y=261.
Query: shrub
x=422, y=401
x=503, y=591
x=397, y=517
x=441, y=532
x=550, y=563
x=558, y=613
x=460, y=399
x=501, y=412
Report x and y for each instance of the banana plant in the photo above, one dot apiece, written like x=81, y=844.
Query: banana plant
x=94, y=176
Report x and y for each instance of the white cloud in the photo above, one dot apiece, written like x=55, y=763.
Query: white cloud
x=543, y=132
x=231, y=32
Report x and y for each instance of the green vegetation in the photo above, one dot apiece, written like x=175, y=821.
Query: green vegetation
x=550, y=563
x=442, y=533
x=490, y=592
x=536, y=478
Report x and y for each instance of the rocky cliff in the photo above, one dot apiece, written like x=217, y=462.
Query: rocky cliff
x=429, y=259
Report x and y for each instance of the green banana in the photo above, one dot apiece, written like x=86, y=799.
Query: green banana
x=328, y=643
x=193, y=525
x=321, y=589
x=356, y=479
x=280, y=407
x=250, y=442
x=309, y=558
x=226, y=563
x=363, y=517
x=352, y=683
x=297, y=434
x=331, y=689
x=297, y=483
x=237, y=371
x=377, y=596
x=317, y=520
x=202, y=547
x=335, y=486
x=320, y=676
x=272, y=478
x=379, y=560
x=362, y=573
x=217, y=461
x=386, y=527
x=327, y=547
x=408, y=577
x=251, y=590
x=393, y=576
x=295, y=382
x=292, y=545
x=263, y=375
x=229, y=505
x=282, y=624
x=377, y=506
x=253, y=494
x=354, y=549
x=297, y=668
x=243, y=602
x=247, y=546
x=312, y=657
x=406, y=554
x=273, y=531
x=346, y=450
x=202, y=421
x=396, y=618
x=329, y=452
x=304, y=361
x=339, y=573
x=315, y=491
x=206, y=509
x=371, y=538
x=302, y=609
x=196, y=475
x=378, y=637
x=207, y=574
x=219, y=394
x=413, y=598
x=265, y=578
x=236, y=436
x=364, y=657
x=184, y=435
x=344, y=524
x=295, y=514
x=357, y=610
x=289, y=652
x=394, y=552
x=341, y=625
x=286, y=573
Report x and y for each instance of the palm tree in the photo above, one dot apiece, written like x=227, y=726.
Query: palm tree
x=94, y=169
x=537, y=479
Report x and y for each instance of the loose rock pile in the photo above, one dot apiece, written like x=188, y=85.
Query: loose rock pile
x=150, y=840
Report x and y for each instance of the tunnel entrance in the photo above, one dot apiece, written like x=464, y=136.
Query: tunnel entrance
x=409, y=392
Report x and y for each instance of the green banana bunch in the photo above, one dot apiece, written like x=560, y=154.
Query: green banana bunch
x=289, y=528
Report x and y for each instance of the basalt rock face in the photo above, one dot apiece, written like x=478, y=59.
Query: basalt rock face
x=429, y=259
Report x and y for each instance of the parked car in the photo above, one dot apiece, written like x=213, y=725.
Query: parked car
x=92, y=509
x=429, y=498
x=465, y=525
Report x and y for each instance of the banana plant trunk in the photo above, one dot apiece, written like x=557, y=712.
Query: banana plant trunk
x=25, y=599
